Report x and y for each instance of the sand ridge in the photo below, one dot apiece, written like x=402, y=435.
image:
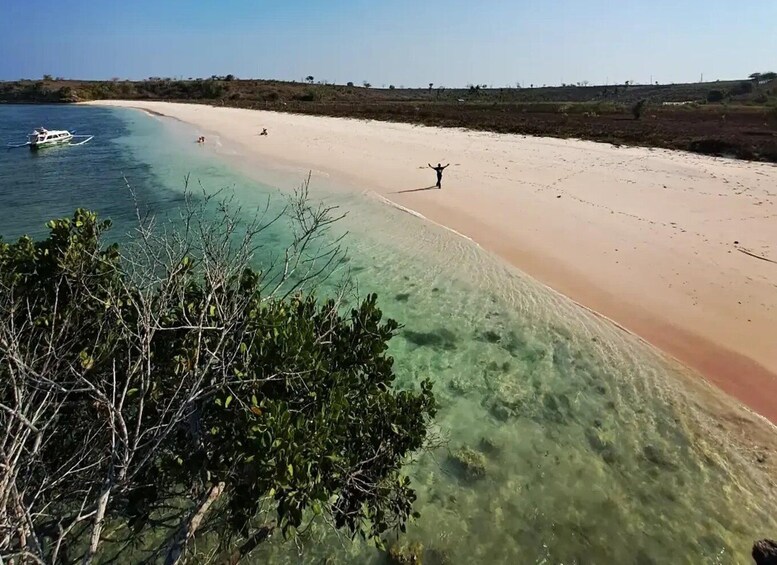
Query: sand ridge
x=677, y=248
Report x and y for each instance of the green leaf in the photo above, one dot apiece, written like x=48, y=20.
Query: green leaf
x=228, y=401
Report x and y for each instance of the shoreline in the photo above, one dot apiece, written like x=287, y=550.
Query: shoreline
x=571, y=250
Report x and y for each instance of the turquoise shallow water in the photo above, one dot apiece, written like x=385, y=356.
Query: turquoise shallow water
x=595, y=452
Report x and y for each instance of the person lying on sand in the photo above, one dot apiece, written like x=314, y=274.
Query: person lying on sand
x=439, y=168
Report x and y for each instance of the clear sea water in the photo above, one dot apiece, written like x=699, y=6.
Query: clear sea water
x=596, y=448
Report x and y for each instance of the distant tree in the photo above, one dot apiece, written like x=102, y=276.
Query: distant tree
x=310, y=79
x=626, y=84
x=66, y=93
x=768, y=77
x=167, y=394
x=47, y=77
x=391, y=87
x=744, y=87
x=485, y=86
x=532, y=85
x=755, y=77
x=715, y=96
x=518, y=85
x=431, y=85
x=366, y=84
x=349, y=84
x=229, y=77
x=637, y=109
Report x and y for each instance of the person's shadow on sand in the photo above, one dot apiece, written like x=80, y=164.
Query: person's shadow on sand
x=433, y=187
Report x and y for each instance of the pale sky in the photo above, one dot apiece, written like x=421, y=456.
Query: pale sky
x=401, y=42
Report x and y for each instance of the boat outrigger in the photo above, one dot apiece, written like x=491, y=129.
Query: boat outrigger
x=42, y=137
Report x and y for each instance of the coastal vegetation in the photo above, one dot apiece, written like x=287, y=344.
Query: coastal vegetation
x=165, y=401
x=730, y=118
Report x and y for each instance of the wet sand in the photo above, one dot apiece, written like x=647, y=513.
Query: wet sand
x=677, y=248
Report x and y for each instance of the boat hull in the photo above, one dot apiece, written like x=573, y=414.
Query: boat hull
x=50, y=143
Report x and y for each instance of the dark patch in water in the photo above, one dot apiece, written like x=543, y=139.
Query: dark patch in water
x=513, y=344
x=504, y=410
x=603, y=448
x=435, y=289
x=495, y=367
x=658, y=458
x=402, y=297
x=490, y=336
x=557, y=407
x=490, y=447
x=713, y=544
x=442, y=338
x=458, y=386
x=644, y=559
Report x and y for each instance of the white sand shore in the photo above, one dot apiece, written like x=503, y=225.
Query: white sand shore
x=678, y=248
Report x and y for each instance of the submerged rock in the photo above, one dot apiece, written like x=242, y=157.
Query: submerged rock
x=459, y=385
x=405, y=554
x=470, y=463
x=765, y=552
x=402, y=297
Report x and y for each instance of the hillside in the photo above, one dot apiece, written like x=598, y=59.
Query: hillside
x=732, y=118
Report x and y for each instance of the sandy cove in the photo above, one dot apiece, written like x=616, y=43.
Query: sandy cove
x=679, y=249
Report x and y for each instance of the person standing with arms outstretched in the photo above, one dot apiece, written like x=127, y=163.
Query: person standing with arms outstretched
x=439, y=169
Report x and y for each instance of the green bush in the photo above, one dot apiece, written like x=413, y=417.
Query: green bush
x=714, y=96
x=309, y=95
x=638, y=108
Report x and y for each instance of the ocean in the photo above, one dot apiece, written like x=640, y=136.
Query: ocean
x=596, y=448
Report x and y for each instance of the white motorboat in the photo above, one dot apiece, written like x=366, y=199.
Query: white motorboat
x=42, y=137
